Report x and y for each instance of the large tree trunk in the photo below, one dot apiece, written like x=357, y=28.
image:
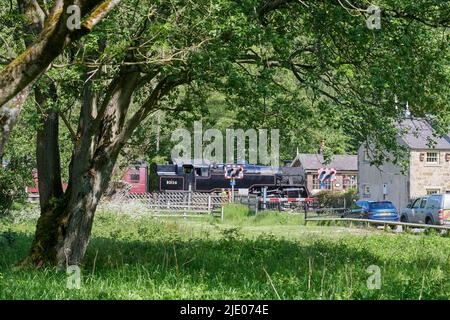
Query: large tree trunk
x=84, y=196
x=64, y=229
x=51, y=195
x=92, y=164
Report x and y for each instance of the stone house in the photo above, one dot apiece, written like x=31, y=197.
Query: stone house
x=346, y=171
x=428, y=170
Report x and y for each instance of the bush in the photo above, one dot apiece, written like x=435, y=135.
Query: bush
x=14, y=177
x=330, y=199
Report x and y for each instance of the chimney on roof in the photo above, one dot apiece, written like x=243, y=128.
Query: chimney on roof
x=407, y=111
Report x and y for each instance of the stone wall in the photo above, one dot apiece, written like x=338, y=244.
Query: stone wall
x=425, y=176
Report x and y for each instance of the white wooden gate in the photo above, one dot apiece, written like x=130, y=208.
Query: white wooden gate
x=185, y=204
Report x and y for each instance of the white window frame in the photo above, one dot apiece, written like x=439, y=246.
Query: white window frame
x=427, y=157
x=431, y=191
x=316, y=183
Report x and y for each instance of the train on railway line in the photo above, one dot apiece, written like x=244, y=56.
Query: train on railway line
x=288, y=182
x=255, y=179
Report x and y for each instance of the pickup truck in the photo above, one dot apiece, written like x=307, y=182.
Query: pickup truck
x=432, y=209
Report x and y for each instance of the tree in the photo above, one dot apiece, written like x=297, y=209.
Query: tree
x=152, y=56
x=52, y=38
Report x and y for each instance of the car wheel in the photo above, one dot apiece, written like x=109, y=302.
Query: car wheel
x=428, y=220
x=403, y=219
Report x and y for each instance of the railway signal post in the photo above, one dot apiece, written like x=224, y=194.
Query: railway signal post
x=233, y=172
x=232, y=184
x=326, y=174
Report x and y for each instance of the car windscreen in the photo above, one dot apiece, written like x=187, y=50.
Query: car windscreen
x=381, y=205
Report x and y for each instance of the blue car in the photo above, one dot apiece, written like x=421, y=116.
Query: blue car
x=376, y=210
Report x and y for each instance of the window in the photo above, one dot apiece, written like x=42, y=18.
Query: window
x=381, y=205
x=205, y=172
x=433, y=191
x=316, y=183
x=434, y=202
x=416, y=204
x=361, y=205
x=432, y=157
x=423, y=203
x=348, y=182
x=366, y=189
x=188, y=169
x=135, y=177
x=202, y=172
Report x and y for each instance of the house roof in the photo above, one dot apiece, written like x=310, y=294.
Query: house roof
x=418, y=134
x=316, y=161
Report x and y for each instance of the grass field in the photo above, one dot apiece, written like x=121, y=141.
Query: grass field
x=268, y=256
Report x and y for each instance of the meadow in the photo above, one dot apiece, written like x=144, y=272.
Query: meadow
x=268, y=256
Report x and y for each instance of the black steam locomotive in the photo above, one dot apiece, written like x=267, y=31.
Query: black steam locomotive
x=281, y=182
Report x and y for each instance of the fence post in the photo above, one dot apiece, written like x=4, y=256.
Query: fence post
x=209, y=204
x=264, y=191
x=306, y=214
x=159, y=204
x=222, y=213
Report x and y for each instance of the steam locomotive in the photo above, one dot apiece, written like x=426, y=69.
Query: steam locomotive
x=256, y=179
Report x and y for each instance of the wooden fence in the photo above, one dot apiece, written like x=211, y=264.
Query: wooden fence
x=184, y=204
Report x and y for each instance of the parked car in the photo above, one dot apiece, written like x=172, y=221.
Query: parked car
x=376, y=210
x=433, y=209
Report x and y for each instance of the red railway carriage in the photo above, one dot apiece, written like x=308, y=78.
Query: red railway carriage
x=136, y=176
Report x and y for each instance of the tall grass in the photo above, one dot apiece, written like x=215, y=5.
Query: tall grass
x=268, y=256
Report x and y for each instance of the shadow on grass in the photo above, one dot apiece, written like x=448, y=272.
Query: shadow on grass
x=262, y=267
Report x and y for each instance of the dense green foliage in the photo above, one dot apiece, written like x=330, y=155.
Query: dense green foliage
x=330, y=199
x=314, y=71
x=265, y=257
x=13, y=177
